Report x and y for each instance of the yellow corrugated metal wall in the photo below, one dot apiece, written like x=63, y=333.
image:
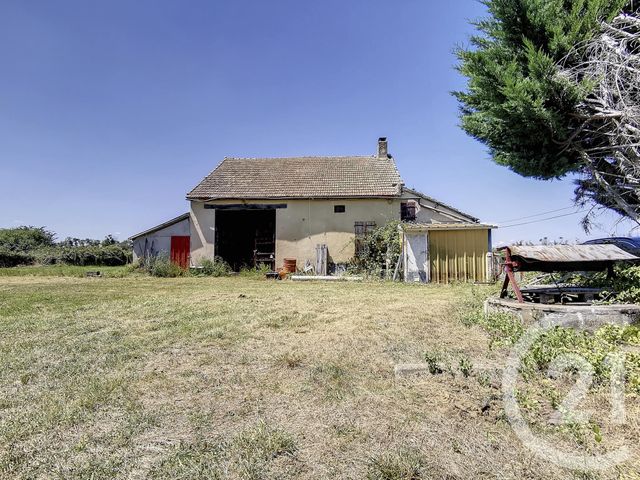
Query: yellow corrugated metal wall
x=458, y=255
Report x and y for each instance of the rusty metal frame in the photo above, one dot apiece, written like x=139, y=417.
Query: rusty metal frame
x=509, y=267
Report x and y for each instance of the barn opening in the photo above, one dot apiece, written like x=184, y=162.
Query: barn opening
x=246, y=237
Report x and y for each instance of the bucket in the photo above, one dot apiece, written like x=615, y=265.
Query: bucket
x=290, y=265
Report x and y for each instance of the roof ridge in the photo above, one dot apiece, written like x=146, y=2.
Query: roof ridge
x=303, y=156
x=299, y=177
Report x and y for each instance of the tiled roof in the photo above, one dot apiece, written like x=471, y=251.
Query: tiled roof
x=301, y=177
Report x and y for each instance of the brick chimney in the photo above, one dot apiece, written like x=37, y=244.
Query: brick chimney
x=383, y=151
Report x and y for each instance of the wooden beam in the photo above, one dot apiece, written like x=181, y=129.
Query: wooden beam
x=244, y=206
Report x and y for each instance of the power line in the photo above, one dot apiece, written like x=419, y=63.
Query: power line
x=536, y=214
x=543, y=219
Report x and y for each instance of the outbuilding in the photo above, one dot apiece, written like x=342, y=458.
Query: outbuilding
x=171, y=238
x=446, y=252
x=263, y=211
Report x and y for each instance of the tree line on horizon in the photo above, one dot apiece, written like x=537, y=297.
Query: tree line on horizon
x=28, y=245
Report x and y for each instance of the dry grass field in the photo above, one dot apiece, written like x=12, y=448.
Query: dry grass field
x=194, y=378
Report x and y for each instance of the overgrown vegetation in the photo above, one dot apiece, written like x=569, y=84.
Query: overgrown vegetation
x=214, y=268
x=506, y=329
x=36, y=245
x=378, y=251
x=161, y=266
x=25, y=239
x=624, y=287
x=594, y=347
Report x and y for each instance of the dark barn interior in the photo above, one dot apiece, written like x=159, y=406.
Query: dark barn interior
x=246, y=237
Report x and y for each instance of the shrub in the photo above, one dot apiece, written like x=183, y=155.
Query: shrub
x=466, y=366
x=434, y=362
x=593, y=347
x=24, y=239
x=28, y=245
x=214, y=268
x=627, y=284
x=260, y=271
x=100, y=255
x=623, y=288
x=378, y=247
x=12, y=258
x=162, y=266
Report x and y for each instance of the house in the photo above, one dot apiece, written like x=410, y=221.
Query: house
x=252, y=211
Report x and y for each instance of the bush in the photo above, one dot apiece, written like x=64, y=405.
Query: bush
x=11, y=258
x=593, y=347
x=375, y=249
x=100, y=255
x=256, y=272
x=627, y=284
x=162, y=266
x=214, y=268
x=28, y=245
x=505, y=329
x=24, y=239
x=624, y=287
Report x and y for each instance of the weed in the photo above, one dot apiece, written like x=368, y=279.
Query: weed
x=466, y=366
x=334, y=378
x=264, y=442
x=214, y=268
x=434, y=362
x=162, y=266
x=402, y=464
x=255, y=272
x=504, y=328
x=484, y=379
x=290, y=359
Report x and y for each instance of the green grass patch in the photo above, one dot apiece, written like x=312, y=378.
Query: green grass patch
x=399, y=464
x=64, y=271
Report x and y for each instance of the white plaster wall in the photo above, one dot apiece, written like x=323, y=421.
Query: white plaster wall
x=160, y=240
x=203, y=222
x=300, y=226
x=306, y=223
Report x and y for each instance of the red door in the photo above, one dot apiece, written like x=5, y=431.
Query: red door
x=180, y=250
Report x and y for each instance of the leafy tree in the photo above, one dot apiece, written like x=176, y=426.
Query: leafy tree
x=23, y=239
x=109, y=240
x=533, y=101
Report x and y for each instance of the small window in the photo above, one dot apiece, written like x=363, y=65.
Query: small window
x=408, y=211
x=338, y=209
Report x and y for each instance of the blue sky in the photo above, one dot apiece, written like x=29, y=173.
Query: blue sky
x=110, y=111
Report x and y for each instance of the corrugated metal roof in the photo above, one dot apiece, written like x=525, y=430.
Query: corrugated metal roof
x=423, y=227
x=570, y=253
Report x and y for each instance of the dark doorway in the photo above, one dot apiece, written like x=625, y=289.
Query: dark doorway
x=246, y=238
